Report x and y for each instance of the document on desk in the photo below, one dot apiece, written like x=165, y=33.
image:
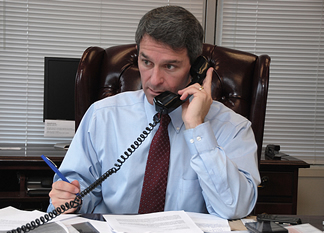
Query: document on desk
x=12, y=218
x=169, y=221
x=303, y=228
x=210, y=223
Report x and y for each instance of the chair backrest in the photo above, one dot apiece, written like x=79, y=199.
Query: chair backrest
x=241, y=83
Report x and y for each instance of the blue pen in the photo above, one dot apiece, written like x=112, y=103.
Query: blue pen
x=53, y=166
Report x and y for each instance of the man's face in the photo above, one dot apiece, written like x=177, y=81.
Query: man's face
x=162, y=68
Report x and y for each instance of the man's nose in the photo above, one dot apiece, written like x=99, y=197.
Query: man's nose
x=156, y=76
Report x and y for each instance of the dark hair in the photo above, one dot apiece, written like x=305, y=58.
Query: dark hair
x=174, y=26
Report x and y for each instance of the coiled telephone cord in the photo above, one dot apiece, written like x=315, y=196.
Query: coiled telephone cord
x=77, y=202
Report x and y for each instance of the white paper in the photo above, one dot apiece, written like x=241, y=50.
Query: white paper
x=303, y=228
x=11, y=218
x=59, y=128
x=210, y=223
x=169, y=221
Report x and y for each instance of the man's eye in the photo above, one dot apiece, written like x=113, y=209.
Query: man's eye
x=170, y=67
x=146, y=62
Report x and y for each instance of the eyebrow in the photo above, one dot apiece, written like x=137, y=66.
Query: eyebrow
x=166, y=61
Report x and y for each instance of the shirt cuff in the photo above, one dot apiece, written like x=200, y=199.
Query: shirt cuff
x=200, y=139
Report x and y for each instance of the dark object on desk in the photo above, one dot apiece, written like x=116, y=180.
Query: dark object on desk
x=279, y=219
x=85, y=227
x=97, y=217
x=265, y=227
x=272, y=152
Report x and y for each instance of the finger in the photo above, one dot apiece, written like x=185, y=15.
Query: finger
x=194, y=90
x=208, y=80
x=61, y=195
x=67, y=187
x=76, y=184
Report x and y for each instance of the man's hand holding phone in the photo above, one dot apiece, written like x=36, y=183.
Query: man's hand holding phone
x=194, y=113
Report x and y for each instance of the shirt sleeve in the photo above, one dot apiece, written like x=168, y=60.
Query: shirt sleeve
x=227, y=168
x=81, y=163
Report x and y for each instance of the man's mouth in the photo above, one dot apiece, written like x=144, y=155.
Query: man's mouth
x=155, y=93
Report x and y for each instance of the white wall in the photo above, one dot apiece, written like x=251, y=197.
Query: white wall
x=310, y=199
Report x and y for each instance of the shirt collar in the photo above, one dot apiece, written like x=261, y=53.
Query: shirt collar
x=176, y=115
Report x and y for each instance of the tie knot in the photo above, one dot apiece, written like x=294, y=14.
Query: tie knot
x=165, y=120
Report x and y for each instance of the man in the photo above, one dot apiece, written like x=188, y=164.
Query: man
x=213, y=159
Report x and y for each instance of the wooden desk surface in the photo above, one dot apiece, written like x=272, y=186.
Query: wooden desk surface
x=285, y=161
x=314, y=220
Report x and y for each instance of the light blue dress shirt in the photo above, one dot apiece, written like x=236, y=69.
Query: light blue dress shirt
x=213, y=167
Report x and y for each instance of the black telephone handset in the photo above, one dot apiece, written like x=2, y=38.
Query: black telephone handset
x=165, y=103
x=168, y=101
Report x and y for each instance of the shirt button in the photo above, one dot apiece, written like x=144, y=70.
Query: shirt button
x=198, y=139
x=191, y=141
x=178, y=128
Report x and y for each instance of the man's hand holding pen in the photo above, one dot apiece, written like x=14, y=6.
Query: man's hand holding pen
x=63, y=192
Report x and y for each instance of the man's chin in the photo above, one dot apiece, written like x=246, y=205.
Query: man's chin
x=150, y=99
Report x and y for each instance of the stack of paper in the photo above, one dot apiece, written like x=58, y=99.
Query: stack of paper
x=12, y=218
x=170, y=221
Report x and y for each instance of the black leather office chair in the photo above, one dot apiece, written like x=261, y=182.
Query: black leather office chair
x=242, y=84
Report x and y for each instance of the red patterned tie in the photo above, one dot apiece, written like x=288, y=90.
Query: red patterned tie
x=156, y=173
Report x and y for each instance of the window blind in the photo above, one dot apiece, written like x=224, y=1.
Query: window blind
x=292, y=34
x=33, y=29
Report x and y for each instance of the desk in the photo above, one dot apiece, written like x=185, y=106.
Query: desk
x=314, y=220
x=279, y=187
x=277, y=193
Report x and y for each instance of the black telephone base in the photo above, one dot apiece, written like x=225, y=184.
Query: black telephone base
x=276, y=156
